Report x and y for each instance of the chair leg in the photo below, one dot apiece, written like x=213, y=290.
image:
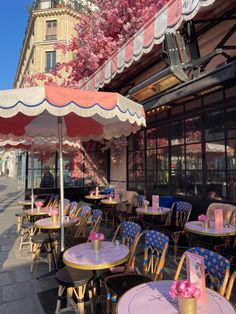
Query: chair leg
x=35, y=255
x=80, y=296
x=59, y=295
x=114, y=303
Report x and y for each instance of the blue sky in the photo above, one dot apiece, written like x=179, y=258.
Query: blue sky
x=13, y=23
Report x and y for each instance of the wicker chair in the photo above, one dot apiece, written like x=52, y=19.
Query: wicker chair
x=217, y=268
x=155, y=248
x=230, y=285
x=124, y=208
x=182, y=213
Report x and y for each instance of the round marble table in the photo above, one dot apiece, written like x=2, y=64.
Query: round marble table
x=151, y=211
x=83, y=256
x=95, y=197
x=47, y=223
x=153, y=297
x=196, y=227
x=24, y=203
x=43, y=211
x=109, y=201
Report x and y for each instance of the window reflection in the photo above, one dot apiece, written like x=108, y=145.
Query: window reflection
x=151, y=159
x=163, y=159
x=177, y=159
x=216, y=185
x=194, y=183
x=231, y=122
x=178, y=182
x=151, y=138
x=215, y=155
x=136, y=141
x=163, y=136
x=194, y=156
x=232, y=186
x=231, y=154
x=214, y=125
x=193, y=130
x=177, y=133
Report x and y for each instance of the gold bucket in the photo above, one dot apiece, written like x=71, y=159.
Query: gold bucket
x=96, y=244
x=187, y=305
x=54, y=219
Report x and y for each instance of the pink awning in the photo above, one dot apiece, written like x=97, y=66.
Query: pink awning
x=168, y=19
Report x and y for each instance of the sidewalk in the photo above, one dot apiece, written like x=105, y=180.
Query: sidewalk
x=18, y=287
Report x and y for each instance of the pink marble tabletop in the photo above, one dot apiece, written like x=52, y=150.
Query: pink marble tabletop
x=109, y=201
x=153, y=297
x=83, y=256
x=37, y=212
x=95, y=197
x=151, y=211
x=197, y=227
x=47, y=223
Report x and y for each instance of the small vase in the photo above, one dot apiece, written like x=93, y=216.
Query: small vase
x=96, y=244
x=38, y=209
x=110, y=199
x=146, y=207
x=205, y=224
x=187, y=305
x=54, y=219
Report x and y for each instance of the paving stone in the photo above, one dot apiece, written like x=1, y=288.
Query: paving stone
x=23, y=274
x=6, y=247
x=25, y=306
x=5, y=279
x=17, y=291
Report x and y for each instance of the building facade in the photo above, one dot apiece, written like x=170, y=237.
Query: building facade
x=182, y=67
x=50, y=22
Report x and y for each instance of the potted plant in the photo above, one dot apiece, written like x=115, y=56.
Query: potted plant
x=187, y=294
x=38, y=205
x=54, y=212
x=205, y=220
x=96, y=238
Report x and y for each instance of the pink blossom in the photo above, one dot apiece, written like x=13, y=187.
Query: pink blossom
x=96, y=236
x=53, y=211
x=38, y=203
x=184, y=289
x=203, y=218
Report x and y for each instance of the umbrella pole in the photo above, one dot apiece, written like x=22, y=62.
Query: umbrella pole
x=32, y=176
x=61, y=184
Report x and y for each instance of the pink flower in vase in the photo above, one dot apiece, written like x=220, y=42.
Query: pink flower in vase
x=53, y=211
x=38, y=204
x=203, y=218
x=96, y=236
x=185, y=289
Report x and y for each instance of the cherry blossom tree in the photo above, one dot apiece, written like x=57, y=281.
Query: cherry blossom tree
x=104, y=26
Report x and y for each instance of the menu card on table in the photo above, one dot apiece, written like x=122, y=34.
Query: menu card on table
x=155, y=201
x=196, y=272
x=219, y=224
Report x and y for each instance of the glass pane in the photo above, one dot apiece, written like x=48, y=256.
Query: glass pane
x=131, y=160
x=231, y=122
x=177, y=133
x=151, y=138
x=216, y=185
x=138, y=162
x=193, y=156
x=193, y=130
x=136, y=141
x=151, y=182
x=163, y=136
x=232, y=186
x=215, y=156
x=73, y=169
x=178, y=182
x=194, y=183
x=162, y=182
x=139, y=176
x=231, y=154
x=151, y=159
x=177, y=158
x=163, y=159
x=214, y=125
